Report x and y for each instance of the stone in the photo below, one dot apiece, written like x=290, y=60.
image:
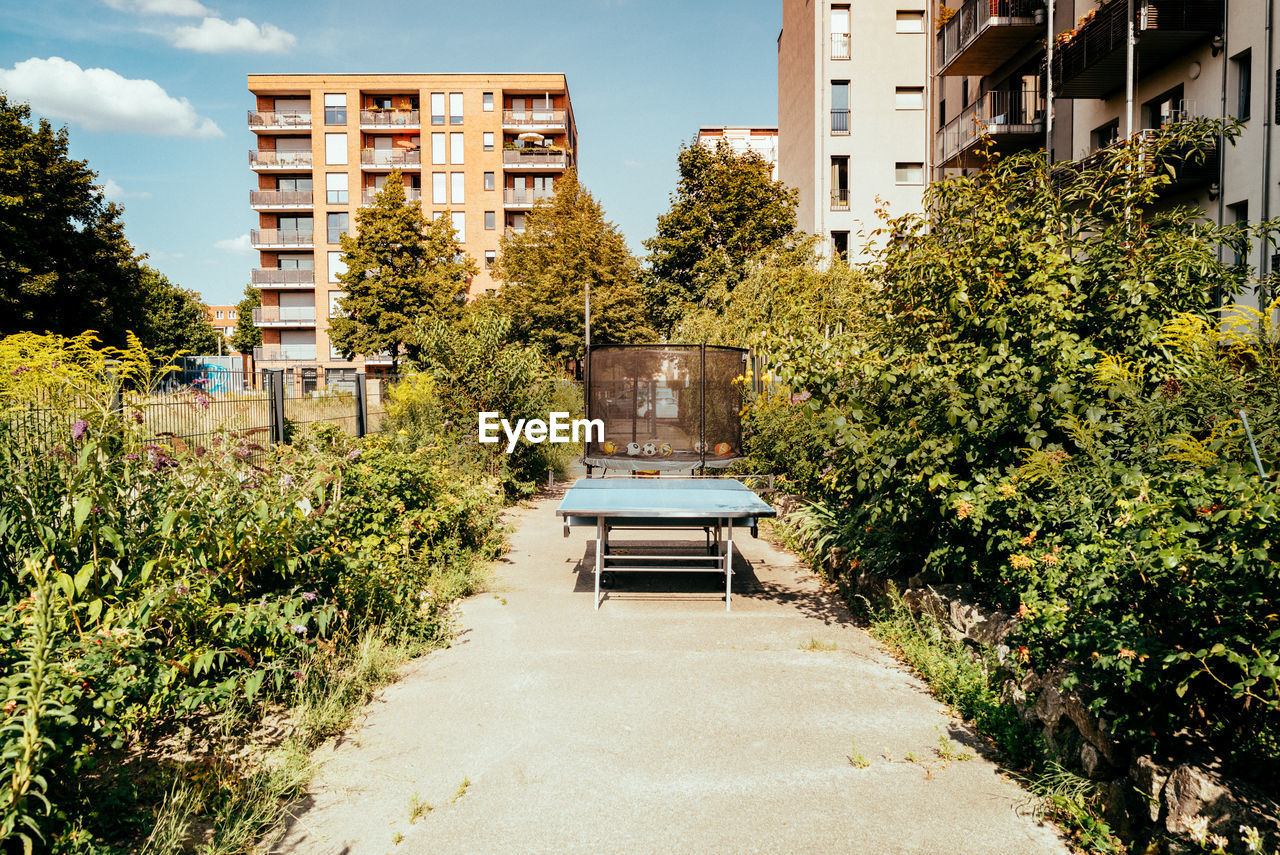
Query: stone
x=963, y=617
x=1093, y=728
x=1050, y=707
x=1190, y=793
x=1092, y=762
x=1115, y=807
x=1148, y=778
x=993, y=630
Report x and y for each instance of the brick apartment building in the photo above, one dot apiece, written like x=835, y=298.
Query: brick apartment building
x=478, y=148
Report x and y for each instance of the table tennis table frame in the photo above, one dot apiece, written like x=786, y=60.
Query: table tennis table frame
x=721, y=560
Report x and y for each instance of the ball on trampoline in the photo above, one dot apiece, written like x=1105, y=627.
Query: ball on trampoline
x=608, y=447
x=649, y=449
x=665, y=449
x=723, y=449
x=697, y=445
x=633, y=448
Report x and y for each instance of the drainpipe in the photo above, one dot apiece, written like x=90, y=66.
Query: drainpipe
x=1266, y=145
x=1222, y=114
x=1048, y=95
x=1131, y=39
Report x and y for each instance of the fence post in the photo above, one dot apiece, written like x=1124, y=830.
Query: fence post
x=275, y=403
x=362, y=404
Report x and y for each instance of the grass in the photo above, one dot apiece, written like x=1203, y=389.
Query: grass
x=856, y=759
x=418, y=808
x=816, y=645
x=949, y=754
x=462, y=789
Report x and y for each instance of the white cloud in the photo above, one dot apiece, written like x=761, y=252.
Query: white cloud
x=113, y=192
x=632, y=164
x=235, y=244
x=101, y=100
x=183, y=8
x=215, y=35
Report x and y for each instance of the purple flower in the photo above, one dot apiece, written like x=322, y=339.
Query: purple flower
x=79, y=429
x=137, y=416
x=131, y=456
x=298, y=628
x=202, y=400
x=21, y=369
x=309, y=596
x=182, y=589
x=297, y=675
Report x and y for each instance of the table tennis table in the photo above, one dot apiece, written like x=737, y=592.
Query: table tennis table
x=715, y=506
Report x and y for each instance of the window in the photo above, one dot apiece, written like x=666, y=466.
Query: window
x=1240, y=216
x=439, y=192
x=488, y=181
x=840, y=245
x=908, y=173
x=339, y=379
x=459, y=224
x=488, y=102
x=1165, y=110
x=964, y=93
x=295, y=260
x=1241, y=67
x=334, y=310
x=381, y=102
x=336, y=266
x=437, y=148
x=488, y=140
x=909, y=98
x=231, y=315
x=490, y=258
x=295, y=227
x=455, y=148
x=335, y=149
x=335, y=188
x=455, y=108
x=942, y=112
x=839, y=106
x=1103, y=136
x=335, y=108
x=911, y=22
x=839, y=32
x=218, y=315
x=839, y=183
x=294, y=182
x=490, y=220
x=337, y=225
x=437, y=108
x=457, y=195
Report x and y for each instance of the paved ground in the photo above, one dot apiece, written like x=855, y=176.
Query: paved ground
x=659, y=724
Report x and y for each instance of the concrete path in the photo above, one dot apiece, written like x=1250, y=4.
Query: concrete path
x=659, y=724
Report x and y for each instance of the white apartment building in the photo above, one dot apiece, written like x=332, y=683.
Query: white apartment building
x=742, y=139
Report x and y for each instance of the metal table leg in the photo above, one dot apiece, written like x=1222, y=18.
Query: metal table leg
x=601, y=539
x=728, y=565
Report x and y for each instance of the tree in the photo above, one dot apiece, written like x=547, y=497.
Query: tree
x=173, y=319
x=400, y=267
x=567, y=246
x=65, y=265
x=727, y=210
x=248, y=335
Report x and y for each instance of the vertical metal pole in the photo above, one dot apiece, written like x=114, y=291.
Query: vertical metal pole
x=702, y=428
x=728, y=565
x=1257, y=461
x=275, y=403
x=600, y=538
x=362, y=404
x=1131, y=39
x=1048, y=95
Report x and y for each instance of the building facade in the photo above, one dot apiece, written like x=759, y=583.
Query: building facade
x=1002, y=70
x=852, y=114
x=223, y=319
x=742, y=139
x=477, y=148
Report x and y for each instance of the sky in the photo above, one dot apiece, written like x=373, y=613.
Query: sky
x=154, y=93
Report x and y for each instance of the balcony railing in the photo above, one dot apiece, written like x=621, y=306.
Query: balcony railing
x=280, y=159
x=274, y=277
x=411, y=194
x=839, y=45
x=839, y=121
x=540, y=118
x=285, y=353
x=1187, y=168
x=1010, y=119
x=535, y=157
x=261, y=120
x=1089, y=62
x=285, y=316
x=840, y=199
x=261, y=238
x=983, y=34
x=516, y=198
x=281, y=199
x=390, y=119
x=391, y=157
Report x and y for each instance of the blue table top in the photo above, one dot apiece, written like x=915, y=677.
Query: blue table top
x=661, y=498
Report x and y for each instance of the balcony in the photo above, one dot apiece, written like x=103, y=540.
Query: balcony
x=534, y=120
x=1089, y=62
x=266, y=200
x=285, y=353
x=840, y=46
x=534, y=158
x=270, y=121
x=284, y=316
x=517, y=198
x=840, y=199
x=984, y=34
x=390, y=158
x=271, y=161
x=273, y=278
x=411, y=194
x=1007, y=120
x=281, y=238
x=390, y=120
x=1188, y=170
x=839, y=122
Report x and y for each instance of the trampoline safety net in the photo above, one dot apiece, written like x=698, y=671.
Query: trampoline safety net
x=665, y=407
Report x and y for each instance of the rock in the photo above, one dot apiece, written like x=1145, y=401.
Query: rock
x=1050, y=707
x=963, y=616
x=1093, y=728
x=1115, y=807
x=916, y=581
x=1191, y=793
x=1148, y=778
x=1092, y=762
x=992, y=631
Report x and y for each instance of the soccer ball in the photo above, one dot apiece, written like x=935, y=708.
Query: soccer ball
x=649, y=449
x=608, y=447
x=633, y=448
x=697, y=445
x=723, y=449
x=665, y=449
